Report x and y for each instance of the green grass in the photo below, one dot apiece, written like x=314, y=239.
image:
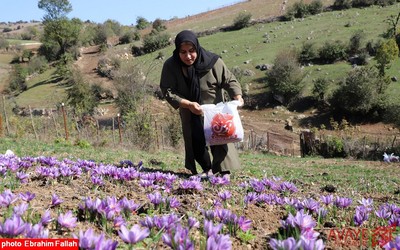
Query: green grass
x=42, y=92
x=248, y=44
x=355, y=178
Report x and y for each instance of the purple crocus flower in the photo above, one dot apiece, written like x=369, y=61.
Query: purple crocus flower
x=172, y=202
x=36, y=232
x=155, y=198
x=224, y=195
x=88, y=240
x=287, y=186
x=7, y=198
x=244, y=224
x=307, y=244
x=327, y=199
x=119, y=221
x=134, y=235
x=67, y=220
x=55, y=200
x=361, y=215
x=303, y=221
x=28, y=196
x=250, y=198
x=97, y=180
x=287, y=244
x=178, y=238
x=366, y=202
x=383, y=212
x=12, y=227
x=257, y=185
x=310, y=204
x=217, y=242
x=395, y=244
x=147, y=222
x=342, y=202
x=210, y=229
x=193, y=223
x=20, y=209
x=22, y=177
x=220, y=181
x=46, y=218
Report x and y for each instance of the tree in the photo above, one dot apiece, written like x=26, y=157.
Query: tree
x=59, y=33
x=385, y=54
x=285, y=79
x=359, y=92
x=55, y=9
x=62, y=32
x=80, y=95
x=142, y=23
x=241, y=21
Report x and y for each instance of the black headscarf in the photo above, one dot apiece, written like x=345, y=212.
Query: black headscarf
x=204, y=62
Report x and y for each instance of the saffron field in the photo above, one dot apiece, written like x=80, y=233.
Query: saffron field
x=122, y=199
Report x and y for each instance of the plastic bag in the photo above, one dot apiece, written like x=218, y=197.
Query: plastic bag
x=222, y=123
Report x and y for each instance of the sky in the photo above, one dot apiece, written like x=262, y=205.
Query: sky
x=124, y=11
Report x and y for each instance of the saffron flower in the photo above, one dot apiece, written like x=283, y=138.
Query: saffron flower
x=55, y=200
x=287, y=244
x=20, y=209
x=67, y=220
x=342, y=202
x=327, y=199
x=22, y=177
x=224, y=195
x=361, y=215
x=210, y=229
x=134, y=235
x=193, y=223
x=46, y=218
x=28, y=196
x=12, y=227
x=311, y=205
x=36, y=232
x=178, y=238
x=217, y=242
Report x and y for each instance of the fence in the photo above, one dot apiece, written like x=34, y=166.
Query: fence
x=162, y=132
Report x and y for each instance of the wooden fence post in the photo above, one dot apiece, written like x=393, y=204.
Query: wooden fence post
x=65, y=121
x=33, y=125
x=5, y=116
x=119, y=128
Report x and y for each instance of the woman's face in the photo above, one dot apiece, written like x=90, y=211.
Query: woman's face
x=187, y=53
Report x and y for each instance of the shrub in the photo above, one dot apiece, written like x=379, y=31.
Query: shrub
x=4, y=44
x=333, y=51
x=17, y=79
x=308, y=53
x=355, y=43
x=285, y=79
x=342, y=4
x=129, y=37
x=315, y=7
x=319, y=88
x=155, y=42
x=241, y=21
x=359, y=92
x=37, y=64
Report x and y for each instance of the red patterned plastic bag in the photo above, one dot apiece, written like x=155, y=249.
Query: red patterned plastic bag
x=222, y=123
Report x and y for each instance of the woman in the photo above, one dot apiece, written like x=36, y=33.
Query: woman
x=193, y=76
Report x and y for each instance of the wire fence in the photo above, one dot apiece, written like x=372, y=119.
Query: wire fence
x=162, y=132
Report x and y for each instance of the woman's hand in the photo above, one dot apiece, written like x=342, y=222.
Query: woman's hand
x=240, y=99
x=194, y=107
